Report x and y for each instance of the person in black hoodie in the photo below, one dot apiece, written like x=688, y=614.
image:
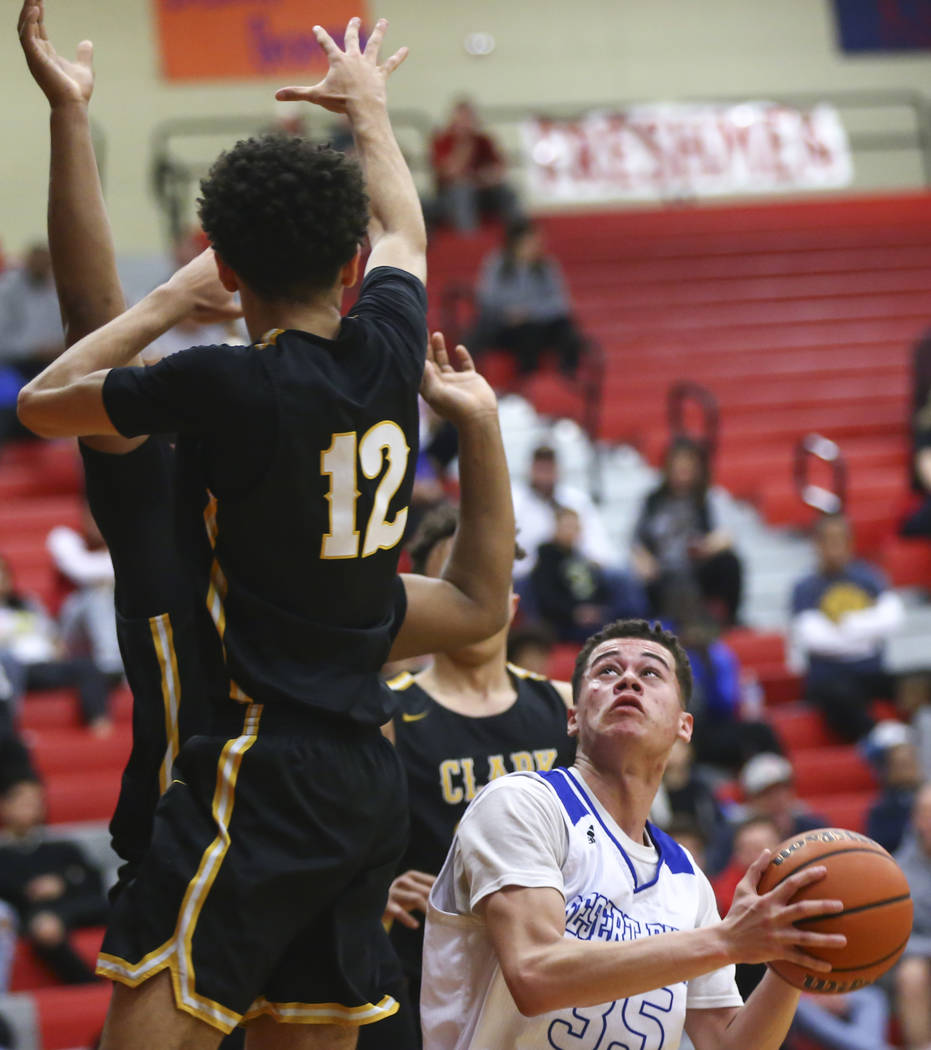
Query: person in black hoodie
x=573, y=594
x=49, y=882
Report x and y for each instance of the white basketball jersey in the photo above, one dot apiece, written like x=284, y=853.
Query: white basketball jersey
x=614, y=890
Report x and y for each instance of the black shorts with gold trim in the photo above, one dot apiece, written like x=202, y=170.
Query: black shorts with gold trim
x=265, y=884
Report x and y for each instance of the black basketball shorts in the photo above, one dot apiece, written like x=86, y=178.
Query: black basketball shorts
x=266, y=880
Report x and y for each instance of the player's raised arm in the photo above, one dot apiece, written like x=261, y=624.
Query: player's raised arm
x=470, y=601
x=80, y=241
x=356, y=85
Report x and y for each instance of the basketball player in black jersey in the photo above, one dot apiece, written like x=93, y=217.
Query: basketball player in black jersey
x=265, y=879
x=468, y=718
x=129, y=481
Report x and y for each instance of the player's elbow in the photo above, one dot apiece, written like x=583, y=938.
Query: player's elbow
x=30, y=414
x=529, y=991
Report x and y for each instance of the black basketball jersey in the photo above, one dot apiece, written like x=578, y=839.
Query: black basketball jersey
x=449, y=756
x=307, y=447
x=131, y=497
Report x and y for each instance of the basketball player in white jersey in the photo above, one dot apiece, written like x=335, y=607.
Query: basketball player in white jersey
x=563, y=919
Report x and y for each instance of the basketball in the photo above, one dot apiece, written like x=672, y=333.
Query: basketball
x=877, y=915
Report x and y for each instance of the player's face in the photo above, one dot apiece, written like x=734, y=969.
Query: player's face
x=629, y=692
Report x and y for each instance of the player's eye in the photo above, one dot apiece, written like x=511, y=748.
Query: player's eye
x=653, y=671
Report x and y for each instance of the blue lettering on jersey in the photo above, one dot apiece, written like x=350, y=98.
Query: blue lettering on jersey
x=585, y=1029
x=595, y=917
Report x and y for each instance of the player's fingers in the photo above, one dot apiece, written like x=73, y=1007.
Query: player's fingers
x=810, y=941
x=351, y=37
x=28, y=20
x=374, y=41
x=85, y=53
x=392, y=63
x=440, y=354
x=754, y=873
x=310, y=93
x=808, y=962
x=398, y=914
x=326, y=42
x=810, y=909
x=464, y=360
x=790, y=886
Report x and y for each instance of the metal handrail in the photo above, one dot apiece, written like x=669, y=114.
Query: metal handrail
x=677, y=397
x=817, y=447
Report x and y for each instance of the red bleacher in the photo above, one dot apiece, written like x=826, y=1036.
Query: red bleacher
x=798, y=317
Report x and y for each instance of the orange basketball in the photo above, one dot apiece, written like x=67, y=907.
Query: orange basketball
x=877, y=915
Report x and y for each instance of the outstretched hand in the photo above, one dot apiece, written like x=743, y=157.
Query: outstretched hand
x=761, y=928
x=454, y=393
x=199, y=283
x=61, y=80
x=355, y=77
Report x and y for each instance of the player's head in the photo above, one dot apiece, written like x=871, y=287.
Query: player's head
x=429, y=550
x=833, y=542
x=632, y=683
x=633, y=629
x=286, y=216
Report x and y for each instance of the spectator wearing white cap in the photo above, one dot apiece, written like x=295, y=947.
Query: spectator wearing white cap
x=891, y=749
x=768, y=785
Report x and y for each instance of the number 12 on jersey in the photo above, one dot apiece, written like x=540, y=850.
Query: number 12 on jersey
x=383, y=443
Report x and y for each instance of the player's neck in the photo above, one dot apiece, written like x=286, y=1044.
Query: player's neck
x=470, y=688
x=321, y=317
x=626, y=791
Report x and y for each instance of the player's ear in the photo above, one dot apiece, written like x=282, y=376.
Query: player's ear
x=515, y=604
x=349, y=274
x=227, y=275
x=686, y=723
x=572, y=721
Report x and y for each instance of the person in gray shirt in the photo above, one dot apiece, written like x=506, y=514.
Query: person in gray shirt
x=523, y=303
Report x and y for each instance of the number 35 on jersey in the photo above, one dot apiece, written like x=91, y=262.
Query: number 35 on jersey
x=382, y=445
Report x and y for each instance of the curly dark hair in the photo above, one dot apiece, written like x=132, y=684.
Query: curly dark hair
x=653, y=632
x=437, y=525
x=284, y=214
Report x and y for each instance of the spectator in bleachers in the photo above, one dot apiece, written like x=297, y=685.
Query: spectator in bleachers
x=190, y=332
x=723, y=734
x=893, y=754
x=768, y=786
x=88, y=616
x=49, y=882
x=30, y=329
x=574, y=595
x=7, y=1038
x=676, y=543
x=535, y=507
x=523, y=304
x=858, y=1020
x=756, y=833
x=530, y=646
x=913, y=974
x=30, y=323
x=35, y=655
x=469, y=172
x=7, y=948
x=843, y=614
x=690, y=796
x=918, y=522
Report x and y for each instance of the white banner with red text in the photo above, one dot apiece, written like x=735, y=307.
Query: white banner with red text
x=673, y=151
